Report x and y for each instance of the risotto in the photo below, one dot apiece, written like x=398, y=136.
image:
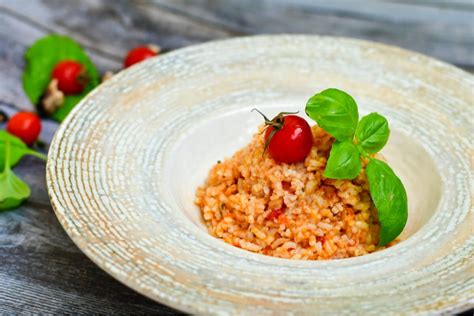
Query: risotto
x=289, y=210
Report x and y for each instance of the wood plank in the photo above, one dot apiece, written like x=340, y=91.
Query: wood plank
x=443, y=32
x=113, y=29
x=452, y=4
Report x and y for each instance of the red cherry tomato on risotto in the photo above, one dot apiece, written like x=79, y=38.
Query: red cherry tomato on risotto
x=26, y=126
x=139, y=54
x=288, y=138
x=71, y=76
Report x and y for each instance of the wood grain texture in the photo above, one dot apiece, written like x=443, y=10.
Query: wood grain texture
x=442, y=31
x=41, y=270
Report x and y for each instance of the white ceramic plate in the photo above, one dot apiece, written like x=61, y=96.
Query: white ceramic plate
x=124, y=166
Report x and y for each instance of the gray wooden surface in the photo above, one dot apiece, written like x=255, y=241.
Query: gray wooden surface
x=41, y=270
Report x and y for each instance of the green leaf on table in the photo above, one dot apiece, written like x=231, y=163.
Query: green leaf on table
x=372, y=133
x=18, y=149
x=42, y=57
x=390, y=199
x=335, y=111
x=13, y=190
x=344, y=161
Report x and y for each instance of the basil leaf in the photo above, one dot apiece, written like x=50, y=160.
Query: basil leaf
x=344, y=161
x=17, y=149
x=335, y=111
x=372, y=132
x=14, y=191
x=42, y=57
x=390, y=199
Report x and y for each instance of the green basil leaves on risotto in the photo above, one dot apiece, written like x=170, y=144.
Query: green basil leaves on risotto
x=390, y=199
x=344, y=161
x=372, y=133
x=336, y=112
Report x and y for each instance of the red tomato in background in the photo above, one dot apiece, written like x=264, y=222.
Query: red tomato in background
x=71, y=76
x=26, y=126
x=139, y=54
x=292, y=140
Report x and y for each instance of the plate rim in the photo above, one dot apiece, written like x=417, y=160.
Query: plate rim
x=81, y=243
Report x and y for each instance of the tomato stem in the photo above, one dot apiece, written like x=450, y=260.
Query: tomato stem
x=38, y=155
x=277, y=123
x=267, y=121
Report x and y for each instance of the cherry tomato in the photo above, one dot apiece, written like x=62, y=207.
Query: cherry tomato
x=26, y=126
x=288, y=138
x=71, y=76
x=139, y=54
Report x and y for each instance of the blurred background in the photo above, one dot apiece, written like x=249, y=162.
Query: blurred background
x=41, y=270
x=108, y=29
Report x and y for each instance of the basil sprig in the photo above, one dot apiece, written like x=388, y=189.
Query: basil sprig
x=372, y=133
x=390, y=199
x=344, y=161
x=13, y=191
x=336, y=112
x=18, y=150
x=42, y=57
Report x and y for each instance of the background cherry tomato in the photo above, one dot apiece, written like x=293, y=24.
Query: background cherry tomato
x=71, y=76
x=292, y=142
x=26, y=126
x=139, y=54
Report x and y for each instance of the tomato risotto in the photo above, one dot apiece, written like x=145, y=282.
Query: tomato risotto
x=289, y=210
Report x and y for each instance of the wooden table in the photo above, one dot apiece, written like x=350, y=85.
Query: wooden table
x=41, y=270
